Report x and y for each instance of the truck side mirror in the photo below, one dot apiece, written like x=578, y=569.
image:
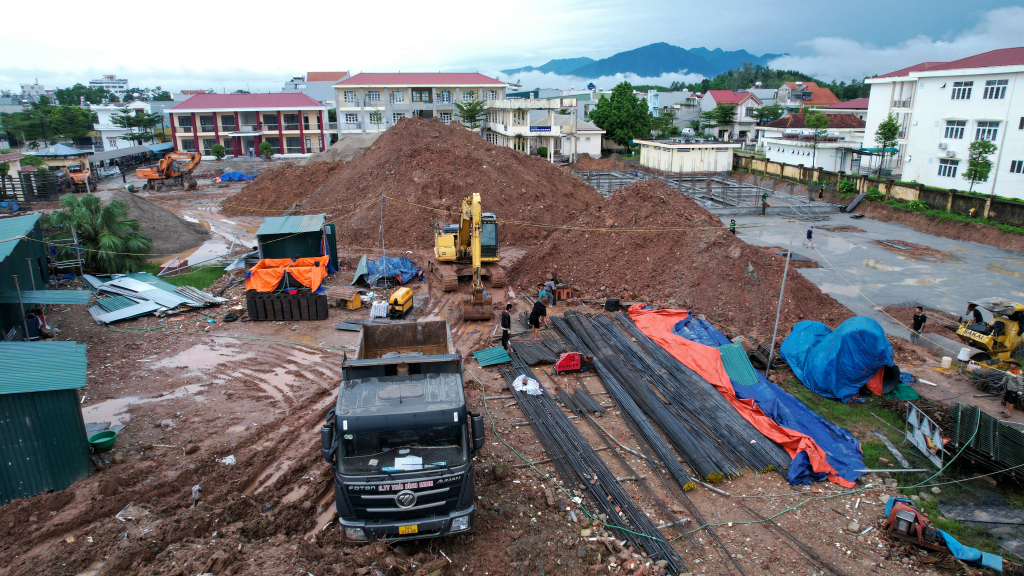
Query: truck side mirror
x=328, y=447
x=478, y=430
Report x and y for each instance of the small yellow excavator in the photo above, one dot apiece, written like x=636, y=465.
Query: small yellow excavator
x=473, y=241
x=176, y=167
x=997, y=342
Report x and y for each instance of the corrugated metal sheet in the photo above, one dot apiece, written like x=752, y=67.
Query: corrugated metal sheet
x=115, y=303
x=196, y=295
x=292, y=224
x=140, y=309
x=132, y=287
x=47, y=297
x=737, y=364
x=11, y=228
x=42, y=438
x=41, y=366
x=147, y=278
x=492, y=356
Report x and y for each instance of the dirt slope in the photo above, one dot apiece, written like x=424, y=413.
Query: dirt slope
x=170, y=233
x=277, y=189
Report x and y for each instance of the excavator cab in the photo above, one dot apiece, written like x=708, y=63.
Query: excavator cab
x=453, y=247
x=998, y=341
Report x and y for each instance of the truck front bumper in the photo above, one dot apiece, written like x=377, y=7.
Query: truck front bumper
x=411, y=529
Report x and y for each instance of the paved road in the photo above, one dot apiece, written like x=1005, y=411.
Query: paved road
x=862, y=274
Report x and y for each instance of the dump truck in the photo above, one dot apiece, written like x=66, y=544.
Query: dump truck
x=400, y=438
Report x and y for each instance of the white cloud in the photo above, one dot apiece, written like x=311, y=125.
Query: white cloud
x=531, y=80
x=834, y=58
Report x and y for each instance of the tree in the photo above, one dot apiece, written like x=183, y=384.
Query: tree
x=472, y=112
x=623, y=117
x=819, y=123
x=30, y=160
x=266, y=150
x=111, y=242
x=332, y=114
x=5, y=169
x=376, y=118
x=664, y=126
x=885, y=136
x=766, y=114
x=162, y=96
x=217, y=150
x=72, y=96
x=139, y=124
x=72, y=122
x=720, y=115
x=978, y=164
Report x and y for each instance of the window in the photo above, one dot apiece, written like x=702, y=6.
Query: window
x=206, y=124
x=208, y=145
x=294, y=144
x=275, y=143
x=229, y=148
x=995, y=89
x=350, y=96
x=955, y=129
x=305, y=121
x=445, y=117
x=188, y=144
x=309, y=144
x=291, y=121
x=962, y=90
x=373, y=96
x=376, y=118
x=185, y=123
x=468, y=95
x=112, y=142
x=947, y=167
x=421, y=95
x=1017, y=166
x=397, y=96
x=986, y=131
x=491, y=95
x=351, y=119
x=228, y=123
x=444, y=96
x=395, y=117
x=270, y=122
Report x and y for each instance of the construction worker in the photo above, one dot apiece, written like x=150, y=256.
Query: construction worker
x=540, y=310
x=1013, y=380
x=550, y=287
x=506, y=325
x=918, y=325
x=764, y=203
x=810, y=238
x=732, y=226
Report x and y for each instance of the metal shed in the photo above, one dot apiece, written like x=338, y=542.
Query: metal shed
x=306, y=236
x=22, y=253
x=43, y=444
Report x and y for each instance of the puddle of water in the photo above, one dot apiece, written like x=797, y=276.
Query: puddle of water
x=93, y=569
x=823, y=242
x=191, y=219
x=842, y=289
x=1002, y=269
x=202, y=356
x=302, y=339
x=205, y=224
x=114, y=411
x=274, y=472
x=162, y=260
x=249, y=228
x=325, y=517
x=237, y=428
x=879, y=266
x=921, y=281
x=294, y=495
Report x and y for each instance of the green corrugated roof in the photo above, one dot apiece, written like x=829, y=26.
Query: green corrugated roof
x=737, y=364
x=11, y=228
x=147, y=278
x=41, y=366
x=47, y=297
x=492, y=356
x=292, y=224
x=116, y=303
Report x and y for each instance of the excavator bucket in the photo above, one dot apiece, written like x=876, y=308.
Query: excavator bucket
x=189, y=182
x=477, y=306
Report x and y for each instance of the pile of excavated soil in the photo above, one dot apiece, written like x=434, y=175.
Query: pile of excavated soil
x=426, y=168
x=586, y=162
x=170, y=233
x=348, y=149
x=277, y=189
x=700, y=266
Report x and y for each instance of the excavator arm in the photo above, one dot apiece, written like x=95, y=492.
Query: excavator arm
x=475, y=242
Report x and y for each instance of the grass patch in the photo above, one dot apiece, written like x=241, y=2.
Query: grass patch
x=200, y=279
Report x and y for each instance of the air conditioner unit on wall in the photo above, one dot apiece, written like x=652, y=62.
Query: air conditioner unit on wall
x=950, y=154
x=942, y=145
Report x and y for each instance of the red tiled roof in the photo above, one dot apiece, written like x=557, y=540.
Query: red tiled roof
x=239, y=101
x=857, y=104
x=420, y=79
x=819, y=96
x=906, y=71
x=193, y=92
x=28, y=168
x=11, y=156
x=1002, y=57
x=834, y=121
x=325, y=76
x=730, y=97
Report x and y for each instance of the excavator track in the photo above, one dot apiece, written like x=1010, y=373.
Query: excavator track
x=449, y=277
x=497, y=275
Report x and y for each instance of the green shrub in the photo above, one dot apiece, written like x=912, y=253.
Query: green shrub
x=847, y=187
x=266, y=151
x=875, y=195
x=917, y=206
x=542, y=151
x=217, y=150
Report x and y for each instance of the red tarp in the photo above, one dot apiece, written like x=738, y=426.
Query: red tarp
x=707, y=362
x=267, y=273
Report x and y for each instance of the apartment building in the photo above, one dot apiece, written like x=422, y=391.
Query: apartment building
x=943, y=106
x=108, y=133
x=744, y=103
x=373, y=102
x=118, y=86
x=291, y=123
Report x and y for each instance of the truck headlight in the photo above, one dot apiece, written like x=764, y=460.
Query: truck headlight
x=355, y=534
x=459, y=524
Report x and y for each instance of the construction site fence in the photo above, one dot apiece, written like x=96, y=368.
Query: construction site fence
x=952, y=201
x=41, y=186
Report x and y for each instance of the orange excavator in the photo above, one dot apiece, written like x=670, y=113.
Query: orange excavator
x=81, y=177
x=176, y=167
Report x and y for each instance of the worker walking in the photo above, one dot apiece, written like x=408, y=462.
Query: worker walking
x=1013, y=380
x=764, y=203
x=918, y=325
x=732, y=226
x=810, y=238
x=539, y=314
x=506, y=326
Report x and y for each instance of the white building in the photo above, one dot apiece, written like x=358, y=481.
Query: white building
x=744, y=103
x=681, y=156
x=118, y=86
x=943, y=106
x=32, y=92
x=109, y=133
x=526, y=124
x=789, y=141
x=584, y=138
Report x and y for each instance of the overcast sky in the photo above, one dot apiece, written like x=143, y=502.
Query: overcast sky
x=260, y=44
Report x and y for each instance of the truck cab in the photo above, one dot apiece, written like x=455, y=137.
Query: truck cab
x=400, y=439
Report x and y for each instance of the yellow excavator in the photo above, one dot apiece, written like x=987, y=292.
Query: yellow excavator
x=997, y=342
x=464, y=249
x=175, y=166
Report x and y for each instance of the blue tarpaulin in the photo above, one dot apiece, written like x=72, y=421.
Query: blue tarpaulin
x=234, y=177
x=965, y=553
x=842, y=449
x=837, y=363
x=373, y=270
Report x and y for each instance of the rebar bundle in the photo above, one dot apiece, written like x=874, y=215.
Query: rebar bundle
x=534, y=353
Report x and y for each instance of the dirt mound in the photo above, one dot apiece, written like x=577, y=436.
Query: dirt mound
x=427, y=168
x=700, y=265
x=277, y=189
x=170, y=233
x=348, y=149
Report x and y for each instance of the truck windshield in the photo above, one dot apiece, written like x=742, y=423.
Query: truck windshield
x=372, y=452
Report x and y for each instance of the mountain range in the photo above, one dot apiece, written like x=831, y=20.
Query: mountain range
x=651, y=61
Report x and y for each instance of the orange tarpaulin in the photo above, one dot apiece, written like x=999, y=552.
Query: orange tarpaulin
x=706, y=361
x=267, y=273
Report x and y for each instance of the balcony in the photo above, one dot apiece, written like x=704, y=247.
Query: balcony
x=246, y=130
x=270, y=127
x=186, y=129
x=901, y=103
x=209, y=128
x=366, y=102
x=227, y=127
x=351, y=126
x=506, y=130
x=291, y=125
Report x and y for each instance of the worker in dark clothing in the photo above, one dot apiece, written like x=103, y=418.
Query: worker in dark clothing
x=549, y=286
x=506, y=326
x=978, y=318
x=539, y=314
x=732, y=226
x=810, y=238
x=1013, y=381
x=915, y=328
x=764, y=203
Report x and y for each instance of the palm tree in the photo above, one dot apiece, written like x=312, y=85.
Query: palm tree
x=111, y=243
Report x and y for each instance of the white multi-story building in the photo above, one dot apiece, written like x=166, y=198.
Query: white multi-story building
x=109, y=133
x=118, y=86
x=944, y=106
x=744, y=103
